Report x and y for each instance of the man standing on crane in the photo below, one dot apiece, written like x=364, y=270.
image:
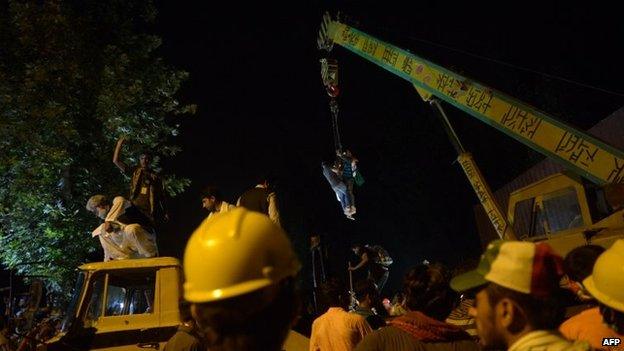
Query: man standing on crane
x=261, y=198
x=121, y=240
x=146, y=188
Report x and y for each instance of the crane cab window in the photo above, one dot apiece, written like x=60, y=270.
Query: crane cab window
x=94, y=308
x=548, y=214
x=561, y=210
x=603, y=201
x=120, y=293
x=524, y=219
x=129, y=294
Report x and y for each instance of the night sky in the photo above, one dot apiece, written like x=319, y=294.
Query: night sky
x=254, y=74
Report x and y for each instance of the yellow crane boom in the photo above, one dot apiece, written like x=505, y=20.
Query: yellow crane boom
x=575, y=149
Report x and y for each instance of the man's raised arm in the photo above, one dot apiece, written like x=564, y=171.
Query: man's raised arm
x=117, y=156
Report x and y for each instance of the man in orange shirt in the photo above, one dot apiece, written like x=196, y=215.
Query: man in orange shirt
x=336, y=329
x=602, y=325
x=589, y=326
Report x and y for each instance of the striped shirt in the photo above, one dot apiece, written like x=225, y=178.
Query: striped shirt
x=460, y=317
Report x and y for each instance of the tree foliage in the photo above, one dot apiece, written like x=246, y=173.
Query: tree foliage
x=74, y=77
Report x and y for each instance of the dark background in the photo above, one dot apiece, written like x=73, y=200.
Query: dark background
x=255, y=76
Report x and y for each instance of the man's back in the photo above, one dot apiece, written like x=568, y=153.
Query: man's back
x=588, y=325
x=184, y=339
x=338, y=330
x=261, y=199
x=375, y=321
x=123, y=211
x=256, y=199
x=140, y=241
x=394, y=339
x=224, y=207
x=372, y=265
x=417, y=331
x=460, y=317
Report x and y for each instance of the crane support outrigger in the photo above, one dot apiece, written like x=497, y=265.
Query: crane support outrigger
x=476, y=179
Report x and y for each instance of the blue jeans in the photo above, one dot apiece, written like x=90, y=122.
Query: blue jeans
x=342, y=192
x=349, y=184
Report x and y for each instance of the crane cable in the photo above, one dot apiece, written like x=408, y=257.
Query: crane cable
x=333, y=105
x=329, y=76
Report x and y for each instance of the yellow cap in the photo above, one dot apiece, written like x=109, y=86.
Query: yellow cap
x=606, y=283
x=234, y=253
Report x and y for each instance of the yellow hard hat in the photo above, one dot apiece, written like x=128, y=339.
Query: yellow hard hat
x=606, y=283
x=234, y=253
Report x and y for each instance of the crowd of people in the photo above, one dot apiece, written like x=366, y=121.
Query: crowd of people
x=514, y=299
x=521, y=296
x=241, y=291
x=29, y=324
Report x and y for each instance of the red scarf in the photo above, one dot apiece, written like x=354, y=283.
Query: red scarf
x=427, y=329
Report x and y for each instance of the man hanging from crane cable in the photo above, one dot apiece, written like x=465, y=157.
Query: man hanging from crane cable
x=592, y=166
x=343, y=174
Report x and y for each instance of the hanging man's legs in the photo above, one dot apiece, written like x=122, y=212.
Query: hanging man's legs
x=338, y=186
x=349, y=186
x=342, y=193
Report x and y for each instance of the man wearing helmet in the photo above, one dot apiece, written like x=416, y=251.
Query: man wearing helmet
x=240, y=270
x=517, y=306
x=147, y=191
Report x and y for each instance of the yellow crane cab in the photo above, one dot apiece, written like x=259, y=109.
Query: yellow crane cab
x=122, y=306
x=566, y=212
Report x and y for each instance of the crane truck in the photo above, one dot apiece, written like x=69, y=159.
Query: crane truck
x=580, y=206
x=127, y=305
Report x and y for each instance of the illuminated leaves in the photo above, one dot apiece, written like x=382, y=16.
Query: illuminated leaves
x=74, y=77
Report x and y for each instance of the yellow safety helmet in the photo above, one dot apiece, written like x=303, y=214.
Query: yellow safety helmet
x=606, y=283
x=234, y=253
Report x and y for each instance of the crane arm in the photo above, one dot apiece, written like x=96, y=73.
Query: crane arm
x=476, y=179
x=575, y=149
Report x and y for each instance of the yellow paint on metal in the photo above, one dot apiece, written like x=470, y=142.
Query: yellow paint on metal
x=486, y=197
x=131, y=263
x=547, y=187
x=425, y=95
x=577, y=150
